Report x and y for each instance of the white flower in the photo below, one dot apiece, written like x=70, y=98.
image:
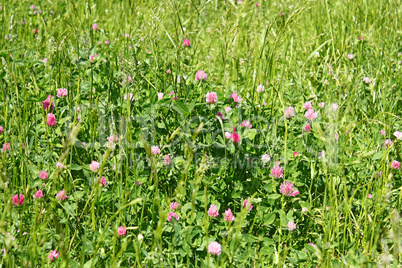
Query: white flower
x=265, y=158
x=260, y=88
x=398, y=134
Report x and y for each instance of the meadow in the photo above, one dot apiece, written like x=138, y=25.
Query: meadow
x=201, y=133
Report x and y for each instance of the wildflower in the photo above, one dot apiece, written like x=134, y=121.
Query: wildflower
x=211, y=97
x=370, y=196
x=257, y=4
x=366, y=80
x=6, y=146
x=51, y=120
x=235, y=137
x=235, y=97
x=247, y=204
x=260, y=88
x=1, y=129
x=227, y=109
x=292, y=226
x=94, y=166
x=102, y=181
x=60, y=165
x=350, y=56
x=38, y=194
x=382, y=132
x=129, y=96
x=213, y=211
x=155, y=150
x=166, y=160
x=265, y=158
x=61, y=195
x=128, y=79
x=18, y=199
x=286, y=188
x=295, y=193
x=334, y=107
x=174, y=215
x=44, y=60
x=313, y=245
x=92, y=57
x=277, y=171
x=43, y=175
x=174, y=206
x=32, y=7
x=378, y=175
x=107, y=42
x=397, y=134
x=229, y=215
x=168, y=71
x=307, y=128
x=186, y=42
x=170, y=93
x=289, y=112
x=395, y=164
x=246, y=123
x=113, y=138
x=336, y=136
x=263, y=103
x=48, y=104
x=220, y=115
x=127, y=35
x=307, y=105
x=35, y=31
x=321, y=104
x=295, y=154
x=53, y=254
x=95, y=27
x=178, y=79
x=121, y=231
x=304, y=209
x=62, y=92
x=310, y=114
x=200, y=75
x=160, y=96
x=387, y=143
x=214, y=248
x=227, y=135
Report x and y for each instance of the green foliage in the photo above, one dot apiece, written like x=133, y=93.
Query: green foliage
x=347, y=213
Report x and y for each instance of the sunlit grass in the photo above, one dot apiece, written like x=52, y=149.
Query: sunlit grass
x=274, y=55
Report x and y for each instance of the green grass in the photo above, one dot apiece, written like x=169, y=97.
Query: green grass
x=296, y=49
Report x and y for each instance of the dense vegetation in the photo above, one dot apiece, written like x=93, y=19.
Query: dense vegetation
x=201, y=133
